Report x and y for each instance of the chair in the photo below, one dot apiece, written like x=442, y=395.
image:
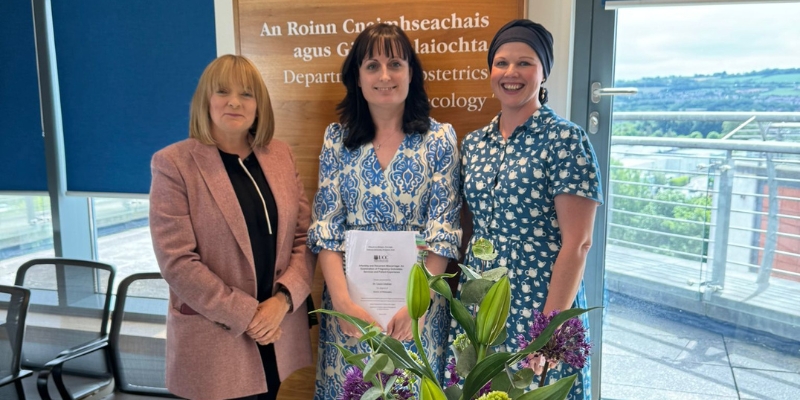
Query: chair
x=137, y=341
x=13, y=311
x=68, y=317
x=138, y=336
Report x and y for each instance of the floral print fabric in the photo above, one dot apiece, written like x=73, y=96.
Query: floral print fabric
x=510, y=187
x=419, y=191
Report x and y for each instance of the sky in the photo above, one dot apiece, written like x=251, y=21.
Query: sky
x=689, y=40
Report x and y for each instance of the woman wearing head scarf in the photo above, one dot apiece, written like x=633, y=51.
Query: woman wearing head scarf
x=530, y=179
x=386, y=166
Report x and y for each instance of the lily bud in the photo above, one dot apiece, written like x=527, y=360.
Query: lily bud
x=431, y=390
x=418, y=296
x=493, y=312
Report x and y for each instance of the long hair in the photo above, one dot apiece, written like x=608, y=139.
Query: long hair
x=221, y=73
x=353, y=110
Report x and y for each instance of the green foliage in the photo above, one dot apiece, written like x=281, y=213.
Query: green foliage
x=679, y=181
x=654, y=211
x=476, y=361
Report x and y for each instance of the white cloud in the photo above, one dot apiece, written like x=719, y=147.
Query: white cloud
x=689, y=40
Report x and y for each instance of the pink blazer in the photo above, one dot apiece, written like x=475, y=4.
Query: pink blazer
x=203, y=249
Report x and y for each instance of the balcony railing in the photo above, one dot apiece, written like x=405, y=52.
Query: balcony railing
x=714, y=222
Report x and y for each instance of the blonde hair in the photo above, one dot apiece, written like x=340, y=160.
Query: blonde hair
x=220, y=74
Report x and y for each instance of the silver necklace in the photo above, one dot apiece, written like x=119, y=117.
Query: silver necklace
x=378, y=147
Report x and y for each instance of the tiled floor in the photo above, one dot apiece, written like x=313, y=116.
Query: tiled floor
x=652, y=352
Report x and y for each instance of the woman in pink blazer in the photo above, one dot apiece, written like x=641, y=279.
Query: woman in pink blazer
x=228, y=218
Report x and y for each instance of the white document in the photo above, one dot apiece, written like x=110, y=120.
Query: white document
x=377, y=265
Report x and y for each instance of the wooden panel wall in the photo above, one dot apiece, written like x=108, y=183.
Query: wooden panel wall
x=299, y=46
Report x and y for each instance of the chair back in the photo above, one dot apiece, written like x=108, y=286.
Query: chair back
x=69, y=307
x=138, y=335
x=13, y=311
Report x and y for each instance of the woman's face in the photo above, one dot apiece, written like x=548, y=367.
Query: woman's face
x=517, y=76
x=384, y=80
x=232, y=110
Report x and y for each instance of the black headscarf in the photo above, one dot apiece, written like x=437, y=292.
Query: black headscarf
x=530, y=33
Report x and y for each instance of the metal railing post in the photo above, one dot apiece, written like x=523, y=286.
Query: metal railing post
x=722, y=221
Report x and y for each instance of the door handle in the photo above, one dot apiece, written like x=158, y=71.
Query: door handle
x=598, y=91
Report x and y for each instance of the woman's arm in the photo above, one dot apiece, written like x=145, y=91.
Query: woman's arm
x=297, y=278
x=575, y=216
x=299, y=274
x=332, y=266
x=175, y=244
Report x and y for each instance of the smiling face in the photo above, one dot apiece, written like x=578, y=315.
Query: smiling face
x=232, y=109
x=384, y=80
x=516, y=77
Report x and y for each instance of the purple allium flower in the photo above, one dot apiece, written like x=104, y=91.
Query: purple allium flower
x=451, y=367
x=485, y=389
x=568, y=343
x=354, y=385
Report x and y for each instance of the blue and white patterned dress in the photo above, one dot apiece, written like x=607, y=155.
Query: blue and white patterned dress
x=510, y=187
x=419, y=190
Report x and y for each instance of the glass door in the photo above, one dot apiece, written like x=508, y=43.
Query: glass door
x=700, y=234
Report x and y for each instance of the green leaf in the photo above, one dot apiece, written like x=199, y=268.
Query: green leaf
x=484, y=250
x=374, y=331
x=453, y=392
x=484, y=371
x=439, y=285
x=464, y=318
x=500, y=338
x=502, y=381
x=555, y=391
x=362, y=325
x=466, y=361
x=523, y=378
x=495, y=274
x=376, y=364
x=473, y=291
x=383, y=344
x=469, y=272
x=387, y=388
x=352, y=359
x=372, y=393
x=395, y=350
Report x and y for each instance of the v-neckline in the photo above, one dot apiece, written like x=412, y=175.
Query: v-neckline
x=391, y=160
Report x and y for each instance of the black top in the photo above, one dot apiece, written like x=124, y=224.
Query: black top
x=262, y=242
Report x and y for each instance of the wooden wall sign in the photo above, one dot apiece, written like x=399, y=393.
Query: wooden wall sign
x=299, y=46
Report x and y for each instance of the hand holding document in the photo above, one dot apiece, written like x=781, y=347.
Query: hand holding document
x=377, y=265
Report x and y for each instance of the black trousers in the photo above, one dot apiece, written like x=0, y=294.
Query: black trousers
x=271, y=370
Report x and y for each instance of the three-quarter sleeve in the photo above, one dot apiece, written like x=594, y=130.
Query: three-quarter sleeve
x=443, y=227
x=328, y=213
x=573, y=168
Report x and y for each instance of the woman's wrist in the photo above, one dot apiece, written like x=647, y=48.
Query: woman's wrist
x=287, y=298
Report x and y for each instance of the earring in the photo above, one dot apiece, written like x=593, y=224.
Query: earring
x=542, y=95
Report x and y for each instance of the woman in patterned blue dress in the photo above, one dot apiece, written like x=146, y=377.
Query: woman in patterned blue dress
x=531, y=181
x=387, y=166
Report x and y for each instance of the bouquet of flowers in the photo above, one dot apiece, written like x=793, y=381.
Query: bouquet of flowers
x=390, y=372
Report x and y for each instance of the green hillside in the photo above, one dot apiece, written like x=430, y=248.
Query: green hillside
x=767, y=90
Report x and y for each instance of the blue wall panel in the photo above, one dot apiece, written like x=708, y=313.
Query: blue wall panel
x=22, y=162
x=127, y=71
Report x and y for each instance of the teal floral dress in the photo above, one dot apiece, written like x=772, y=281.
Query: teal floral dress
x=418, y=191
x=510, y=187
